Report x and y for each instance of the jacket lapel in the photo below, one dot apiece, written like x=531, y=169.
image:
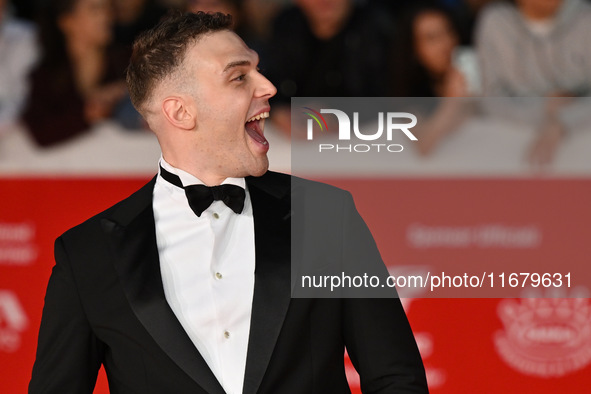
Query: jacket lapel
x=132, y=233
x=270, y=198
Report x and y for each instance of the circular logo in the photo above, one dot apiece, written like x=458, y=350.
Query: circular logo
x=545, y=337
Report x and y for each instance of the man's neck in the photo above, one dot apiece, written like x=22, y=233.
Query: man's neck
x=204, y=177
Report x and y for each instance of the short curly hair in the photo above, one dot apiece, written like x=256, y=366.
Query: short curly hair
x=158, y=52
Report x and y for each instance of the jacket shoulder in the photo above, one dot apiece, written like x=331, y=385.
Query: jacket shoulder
x=121, y=212
x=280, y=183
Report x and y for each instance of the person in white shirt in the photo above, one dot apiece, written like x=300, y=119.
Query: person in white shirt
x=538, y=49
x=19, y=52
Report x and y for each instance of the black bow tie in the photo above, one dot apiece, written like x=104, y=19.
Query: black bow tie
x=200, y=197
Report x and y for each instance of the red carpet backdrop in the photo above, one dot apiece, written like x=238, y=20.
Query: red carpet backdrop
x=468, y=345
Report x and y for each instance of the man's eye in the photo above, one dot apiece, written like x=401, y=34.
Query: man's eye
x=240, y=78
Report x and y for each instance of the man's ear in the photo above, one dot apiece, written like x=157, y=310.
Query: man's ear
x=179, y=113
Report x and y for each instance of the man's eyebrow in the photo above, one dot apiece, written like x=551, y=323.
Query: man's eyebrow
x=237, y=63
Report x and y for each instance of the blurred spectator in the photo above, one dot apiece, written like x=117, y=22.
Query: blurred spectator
x=538, y=48
x=424, y=63
x=18, y=53
x=322, y=48
x=78, y=82
x=426, y=66
x=464, y=12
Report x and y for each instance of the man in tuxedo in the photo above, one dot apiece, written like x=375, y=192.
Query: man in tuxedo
x=184, y=287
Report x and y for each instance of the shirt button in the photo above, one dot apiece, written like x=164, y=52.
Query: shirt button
x=227, y=334
x=218, y=275
x=216, y=215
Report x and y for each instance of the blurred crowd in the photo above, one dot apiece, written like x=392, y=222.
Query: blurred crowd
x=62, y=62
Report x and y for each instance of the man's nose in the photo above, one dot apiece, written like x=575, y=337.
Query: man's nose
x=265, y=88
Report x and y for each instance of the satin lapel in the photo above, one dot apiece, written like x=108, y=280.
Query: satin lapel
x=132, y=231
x=271, y=207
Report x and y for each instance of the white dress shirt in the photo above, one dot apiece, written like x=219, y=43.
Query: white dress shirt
x=207, y=265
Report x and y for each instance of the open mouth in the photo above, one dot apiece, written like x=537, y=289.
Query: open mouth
x=255, y=126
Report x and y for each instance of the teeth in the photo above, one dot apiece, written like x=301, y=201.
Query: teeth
x=263, y=115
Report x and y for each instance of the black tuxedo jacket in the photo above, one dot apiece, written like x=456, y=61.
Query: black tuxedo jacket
x=105, y=304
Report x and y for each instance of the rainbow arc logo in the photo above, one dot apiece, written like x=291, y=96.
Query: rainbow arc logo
x=316, y=115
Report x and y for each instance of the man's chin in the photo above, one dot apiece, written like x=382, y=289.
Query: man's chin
x=261, y=169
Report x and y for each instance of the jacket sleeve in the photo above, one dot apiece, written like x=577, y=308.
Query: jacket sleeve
x=68, y=353
x=377, y=334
